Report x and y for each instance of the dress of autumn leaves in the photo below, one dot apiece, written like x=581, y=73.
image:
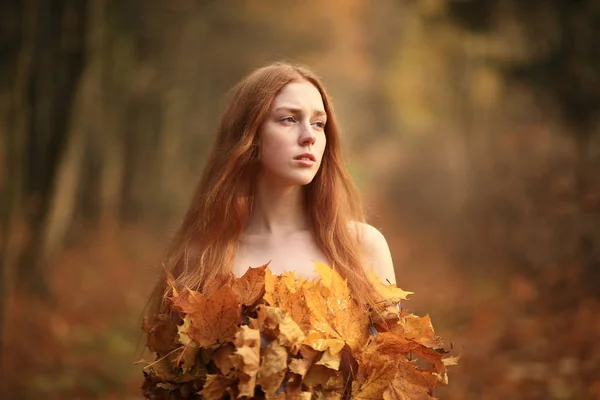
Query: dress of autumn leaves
x=283, y=337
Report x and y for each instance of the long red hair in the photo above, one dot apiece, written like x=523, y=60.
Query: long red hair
x=203, y=247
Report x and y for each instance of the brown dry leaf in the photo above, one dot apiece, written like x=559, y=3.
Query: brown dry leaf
x=216, y=386
x=213, y=320
x=216, y=283
x=374, y=382
x=417, y=335
x=187, y=357
x=222, y=358
x=378, y=364
x=319, y=376
x=161, y=370
x=251, y=286
x=161, y=333
x=403, y=387
x=246, y=359
x=272, y=367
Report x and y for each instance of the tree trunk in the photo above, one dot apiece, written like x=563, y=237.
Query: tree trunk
x=14, y=126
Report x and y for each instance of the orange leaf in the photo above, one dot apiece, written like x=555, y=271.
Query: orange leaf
x=215, y=387
x=251, y=286
x=213, y=320
x=222, y=358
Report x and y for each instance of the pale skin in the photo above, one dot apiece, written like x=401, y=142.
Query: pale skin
x=278, y=231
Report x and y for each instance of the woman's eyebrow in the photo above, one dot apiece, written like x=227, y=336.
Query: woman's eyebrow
x=296, y=110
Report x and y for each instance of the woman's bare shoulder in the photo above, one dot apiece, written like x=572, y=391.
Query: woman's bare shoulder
x=376, y=251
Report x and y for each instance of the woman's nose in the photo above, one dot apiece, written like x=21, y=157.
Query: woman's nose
x=308, y=135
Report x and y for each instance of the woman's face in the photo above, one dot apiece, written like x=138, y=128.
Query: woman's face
x=293, y=135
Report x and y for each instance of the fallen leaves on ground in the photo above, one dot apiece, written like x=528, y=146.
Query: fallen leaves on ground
x=267, y=336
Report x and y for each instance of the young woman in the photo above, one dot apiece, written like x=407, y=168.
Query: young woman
x=276, y=190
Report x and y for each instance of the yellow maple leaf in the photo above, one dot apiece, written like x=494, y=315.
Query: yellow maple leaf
x=418, y=329
x=389, y=292
x=295, y=305
x=334, y=314
x=270, y=282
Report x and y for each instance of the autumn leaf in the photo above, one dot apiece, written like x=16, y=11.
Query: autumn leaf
x=216, y=283
x=375, y=380
x=448, y=361
x=161, y=333
x=187, y=357
x=319, y=376
x=331, y=361
x=272, y=367
x=270, y=284
x=409, y=384
x=251, y=286
x=301, y=365
x=183, y=330
x=247, y=359
x=296, y=306
x=299, y=396
x=213, y=320
x=334, y=315
x=279, y=288
x=418, y=329
x=222, y=358
x=215, y=386
x=388, y=292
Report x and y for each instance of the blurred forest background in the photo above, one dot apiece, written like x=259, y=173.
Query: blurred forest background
x=471, y=127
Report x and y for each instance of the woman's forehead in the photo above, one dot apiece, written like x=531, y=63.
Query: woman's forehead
x=299, y=95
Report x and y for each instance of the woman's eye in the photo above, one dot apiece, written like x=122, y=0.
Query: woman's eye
x=319, y=124
x=291, y=120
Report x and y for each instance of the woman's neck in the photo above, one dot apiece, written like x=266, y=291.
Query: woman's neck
x=277, y=211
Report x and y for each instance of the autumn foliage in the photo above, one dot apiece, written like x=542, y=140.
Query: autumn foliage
x=283, y=337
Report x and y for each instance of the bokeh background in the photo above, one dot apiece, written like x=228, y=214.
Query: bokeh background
x=471, y=128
